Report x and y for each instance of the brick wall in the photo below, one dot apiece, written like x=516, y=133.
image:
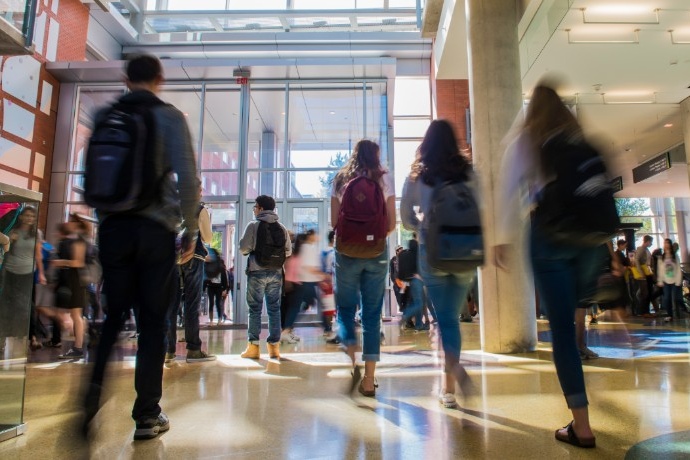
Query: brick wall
x=29, y=97
x=452, y=98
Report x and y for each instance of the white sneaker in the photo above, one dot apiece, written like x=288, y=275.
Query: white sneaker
x=668, y=319
x=287, y=337
x=447, y=400
x=296, y=338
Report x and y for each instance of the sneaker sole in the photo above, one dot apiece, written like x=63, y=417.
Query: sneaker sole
x=200, y=360
x=141, y=434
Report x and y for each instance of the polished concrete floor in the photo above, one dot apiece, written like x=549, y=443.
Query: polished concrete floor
x=297, y=409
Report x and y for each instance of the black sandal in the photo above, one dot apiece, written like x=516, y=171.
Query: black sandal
x=571, y=438
x=368, y=393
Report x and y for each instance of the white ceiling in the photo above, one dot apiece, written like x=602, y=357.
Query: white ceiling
x=652, y=70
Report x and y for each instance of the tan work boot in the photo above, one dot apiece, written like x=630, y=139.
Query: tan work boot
x=274, y=350
x=252, y=351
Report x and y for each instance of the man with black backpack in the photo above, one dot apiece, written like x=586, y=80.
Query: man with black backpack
x=138, y=146
x=267, y=244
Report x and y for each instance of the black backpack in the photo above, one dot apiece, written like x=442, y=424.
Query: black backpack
x=454, y=237
x=407, y=264
x=212, y=266
x=577, y=207
x=269, y=250
x=120, y=173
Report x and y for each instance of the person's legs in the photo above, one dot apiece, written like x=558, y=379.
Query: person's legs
x=193, y=278
x=556, y=279
x=173, y=311
x=347, y=294
x=373, y=285
x=293, y=301
x=256, y=285
x=274, y=286
x=667, y=299
x=220, y=304
x=153, y=307
x=414, y=302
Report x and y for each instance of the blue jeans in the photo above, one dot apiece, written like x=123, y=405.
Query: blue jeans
x=415, y=302
x=264, y=284
x=192, y=277
x=361, y=281
x=138, y=258
x=565, y=276
x=448, y=293
x=670, y=292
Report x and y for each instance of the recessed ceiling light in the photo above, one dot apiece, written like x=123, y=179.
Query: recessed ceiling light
x=332, y=112
x=668, y=125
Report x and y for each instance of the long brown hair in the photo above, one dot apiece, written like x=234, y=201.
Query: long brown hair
x=546, y=117
x=438, y=156
x=364, y=161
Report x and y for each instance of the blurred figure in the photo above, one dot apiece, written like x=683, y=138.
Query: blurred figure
x=564, y=273
x=362, y=186
x=70, y=293
x=643, y=276
x=18, y=275
x=217, y=288
x=138, y=249
x=294, y=292
x=439, y=160
x=669, y=277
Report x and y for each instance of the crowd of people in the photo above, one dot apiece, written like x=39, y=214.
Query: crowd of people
x=164, y=241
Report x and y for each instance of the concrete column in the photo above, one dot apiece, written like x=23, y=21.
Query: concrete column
x=507, y=312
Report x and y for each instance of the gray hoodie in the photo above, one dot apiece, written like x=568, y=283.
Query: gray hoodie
x=248, y=241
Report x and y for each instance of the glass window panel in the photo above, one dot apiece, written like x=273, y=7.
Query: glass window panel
x=265, y=183
x=188, y=100
x=402, y=3
x=304, y=219
x=250, y=23
x=75, y=187
x=257, y=5
x=405, y=152
x=321, y=21
x=221, y=129
x=266, y=135
x=162, y=25
x=411, y=128
x=412, y=96
x=220, y=183
x=321, y=5
x=314, y=158
x=377, y=117
x=325, y=118
x=90, y=101
x=186, y=5
x=310, y=184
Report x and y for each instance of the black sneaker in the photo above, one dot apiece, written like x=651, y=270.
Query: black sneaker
x=198, y=356
x=72, y=354
x=149, y=428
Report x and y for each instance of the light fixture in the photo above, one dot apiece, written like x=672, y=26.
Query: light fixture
x=679, y=37
x=632, y=97
x=668, y=125
x=610, y=35
x=620, y=14
x=332, y=112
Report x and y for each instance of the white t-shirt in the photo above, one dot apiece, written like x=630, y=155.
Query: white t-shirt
x=386, y=182
x=309, y=259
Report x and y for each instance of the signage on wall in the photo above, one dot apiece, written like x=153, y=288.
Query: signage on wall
x=652, y=167
x=241, y=76
x=617, y=184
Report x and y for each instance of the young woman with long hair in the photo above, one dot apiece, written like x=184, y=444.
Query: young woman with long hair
x=362, y=281
x=564, y=274
x=669, y=277
x=439, y=160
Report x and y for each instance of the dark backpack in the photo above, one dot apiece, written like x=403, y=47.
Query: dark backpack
x=407, y=265
x=362, y=222
x=212, y=266
x=120, y=173
x=269, y=250
x=577, y=207
x=453, y=235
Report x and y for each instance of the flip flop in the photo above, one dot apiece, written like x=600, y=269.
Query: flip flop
x=571, y=438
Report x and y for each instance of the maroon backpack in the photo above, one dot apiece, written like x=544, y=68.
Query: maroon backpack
x=362, y=222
